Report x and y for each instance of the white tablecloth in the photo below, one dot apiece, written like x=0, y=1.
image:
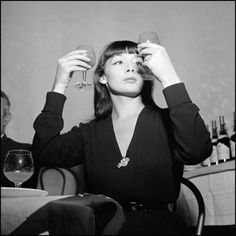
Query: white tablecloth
x=216, y=183
x=217, y=186
x=12, y=216
x=81, y=208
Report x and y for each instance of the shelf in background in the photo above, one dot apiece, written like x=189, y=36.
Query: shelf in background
x=230, y=165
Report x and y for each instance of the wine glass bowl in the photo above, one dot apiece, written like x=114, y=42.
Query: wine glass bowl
x=18, y=166
x=90, y=53
x=151, y=37
x=148, y=36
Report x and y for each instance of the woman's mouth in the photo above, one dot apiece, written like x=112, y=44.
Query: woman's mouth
x=130, y=80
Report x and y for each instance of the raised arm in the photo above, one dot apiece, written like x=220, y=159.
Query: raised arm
x=191, y=137
x=49, y=146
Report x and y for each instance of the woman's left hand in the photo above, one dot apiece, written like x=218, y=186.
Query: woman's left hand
x=157, y=60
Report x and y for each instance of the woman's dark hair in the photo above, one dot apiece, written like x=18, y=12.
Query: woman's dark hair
x=102, y=99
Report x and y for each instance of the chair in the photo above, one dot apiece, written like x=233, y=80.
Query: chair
x=58, y=181
x=70, y=181
x=200, y=203
x=53, y=179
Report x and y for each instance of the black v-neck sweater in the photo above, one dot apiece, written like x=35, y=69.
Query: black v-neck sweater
x=163, y=140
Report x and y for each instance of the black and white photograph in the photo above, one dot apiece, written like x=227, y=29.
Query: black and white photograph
x=118, y=118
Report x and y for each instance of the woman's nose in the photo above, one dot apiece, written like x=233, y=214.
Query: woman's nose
x=130, y=68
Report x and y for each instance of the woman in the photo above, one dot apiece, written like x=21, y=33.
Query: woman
x=133, y=151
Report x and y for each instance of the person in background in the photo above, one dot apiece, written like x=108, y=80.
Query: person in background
x=8, y=144
x=133, y=150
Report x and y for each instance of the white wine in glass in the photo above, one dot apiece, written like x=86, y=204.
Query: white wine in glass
x=18, y=166
x=90, y=53
x=148, y=37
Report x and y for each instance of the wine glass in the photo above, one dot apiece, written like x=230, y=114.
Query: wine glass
x=148, y=37
x=90, y=53
x=18, y=166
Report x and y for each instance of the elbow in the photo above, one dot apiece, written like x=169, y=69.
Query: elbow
x=203, y=152
x=198, y=153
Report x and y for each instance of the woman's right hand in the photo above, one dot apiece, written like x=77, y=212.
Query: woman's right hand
x=66, y=66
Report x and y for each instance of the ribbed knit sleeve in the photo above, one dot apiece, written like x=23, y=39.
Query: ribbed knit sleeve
x=176, y=94
x=49, y=146
x=54, y=103
x=193, y=143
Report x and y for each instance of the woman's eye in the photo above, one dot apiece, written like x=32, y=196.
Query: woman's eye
x=117, y=62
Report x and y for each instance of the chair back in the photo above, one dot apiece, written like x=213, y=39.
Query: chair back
x=200, y=218
x=58, y=181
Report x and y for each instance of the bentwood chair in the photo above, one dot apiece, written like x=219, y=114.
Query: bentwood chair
x=58, y=181
x=198, y=229
x=61, y=181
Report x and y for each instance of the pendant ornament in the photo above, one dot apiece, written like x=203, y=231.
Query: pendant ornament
x=123, y=162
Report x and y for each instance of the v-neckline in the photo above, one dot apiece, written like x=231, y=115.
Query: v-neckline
x=132, y=138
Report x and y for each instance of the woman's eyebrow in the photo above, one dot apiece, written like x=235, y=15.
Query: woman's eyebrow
x=116, y=55
x=120, y=55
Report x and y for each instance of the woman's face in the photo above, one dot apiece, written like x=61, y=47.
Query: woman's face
x=121, y=74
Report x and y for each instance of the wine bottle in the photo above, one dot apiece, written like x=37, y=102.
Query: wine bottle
x=232, y=140
x=207, y=161
x=214, y=138
x=223, y=145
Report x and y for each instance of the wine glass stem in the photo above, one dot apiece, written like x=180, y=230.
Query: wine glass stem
x=17, y=185
x=84, y=74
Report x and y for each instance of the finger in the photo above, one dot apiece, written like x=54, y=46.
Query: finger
x=77, y=68
x=151, y=46
x=75, y=52
x=74, y=69
x=146, y=63
x=148, y=44
x=78, y=63
x=81, y=51
x=146, y=51
x=147, y=58
x=76, y=56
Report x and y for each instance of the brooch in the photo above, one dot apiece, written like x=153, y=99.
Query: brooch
x=123, y=162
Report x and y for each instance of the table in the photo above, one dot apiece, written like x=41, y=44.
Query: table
x=16, y=213
x=217, y=186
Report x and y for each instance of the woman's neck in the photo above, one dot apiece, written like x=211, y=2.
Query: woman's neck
x=125, y=107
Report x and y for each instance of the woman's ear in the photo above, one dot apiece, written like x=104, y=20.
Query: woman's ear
x=103, y=80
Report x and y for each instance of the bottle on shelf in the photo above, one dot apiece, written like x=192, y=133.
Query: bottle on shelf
x=232, y=140
x=214, y=138
x=223, y=145
x=207, y=161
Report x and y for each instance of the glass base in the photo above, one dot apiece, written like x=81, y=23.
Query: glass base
x=83, y=85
